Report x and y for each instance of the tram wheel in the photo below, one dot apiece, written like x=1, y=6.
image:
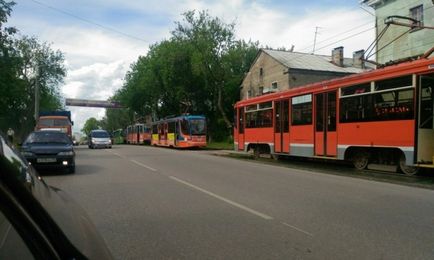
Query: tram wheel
x=407, y=170
x=361, y=160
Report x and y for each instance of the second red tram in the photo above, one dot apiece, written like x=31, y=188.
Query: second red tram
x=138, y=134
x=383, y=116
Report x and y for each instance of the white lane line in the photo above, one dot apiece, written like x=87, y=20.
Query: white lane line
x=118, y=155
x=298, y=229
x=233, y=203
x=143, y=165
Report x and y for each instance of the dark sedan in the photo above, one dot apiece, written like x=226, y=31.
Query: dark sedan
x=38, y=221
x=49, y=149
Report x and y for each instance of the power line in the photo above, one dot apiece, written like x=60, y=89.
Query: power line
x=88, y=21
x=335, y=35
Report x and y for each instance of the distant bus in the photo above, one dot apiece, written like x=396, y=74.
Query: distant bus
x=182, y=132
x=118, y=136
x=138, y=134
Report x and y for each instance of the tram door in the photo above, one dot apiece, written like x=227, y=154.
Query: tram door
x=281, y=126
x=425, y=134
x=325, y=124
x=241, y=128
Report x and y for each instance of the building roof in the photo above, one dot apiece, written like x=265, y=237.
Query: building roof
x=306, y=61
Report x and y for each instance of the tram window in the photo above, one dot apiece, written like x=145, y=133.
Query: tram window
x=277, y=117
x=259, y=119
x=240, y=120
x=265, y=105
x=285, y=116
x=395, y=105
x=319, y=113
x=357, y=89
x=356, y=109
x=400, y=82
x=184, y=126
x=302, y=113
x=154, y=129
x=426, y=104
x=171, y=127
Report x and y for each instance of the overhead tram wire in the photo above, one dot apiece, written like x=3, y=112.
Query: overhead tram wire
x=334, y=36
x=88, y=21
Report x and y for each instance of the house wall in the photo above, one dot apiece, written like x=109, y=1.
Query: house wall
x=299, y=78
x=272, y=71
x=410, y=44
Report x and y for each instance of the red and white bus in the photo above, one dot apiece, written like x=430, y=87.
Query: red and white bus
x=138, y=134
x=384, y=116
x=184, y=131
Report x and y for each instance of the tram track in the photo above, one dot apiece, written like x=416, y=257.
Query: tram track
x=424, y=179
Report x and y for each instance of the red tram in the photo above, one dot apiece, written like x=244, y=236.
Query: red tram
x=138, y=134
x=383, y=116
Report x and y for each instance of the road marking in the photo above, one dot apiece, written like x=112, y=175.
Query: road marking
x=143, y=165
x=233, y=203
x=298, y=229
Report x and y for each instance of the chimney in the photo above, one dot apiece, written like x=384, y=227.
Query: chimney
x=338, y=56
x=358, y=57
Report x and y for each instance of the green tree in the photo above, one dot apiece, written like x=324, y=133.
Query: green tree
x=91, y=124
x=19, y=60
x=198, y=71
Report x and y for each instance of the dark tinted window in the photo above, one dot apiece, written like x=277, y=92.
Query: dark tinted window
x=390, y=105
x=259, y=119
x=99, y=134
x=48, y=137
x=302, y=110
x=400, y=82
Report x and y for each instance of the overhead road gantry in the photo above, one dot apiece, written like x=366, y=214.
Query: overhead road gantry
x=92, y=103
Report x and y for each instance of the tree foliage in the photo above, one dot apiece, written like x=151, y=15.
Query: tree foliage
x=25, y=62
x=198, y=71
x=91, y=124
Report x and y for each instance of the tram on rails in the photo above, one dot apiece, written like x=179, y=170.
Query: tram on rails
x=138, y=134
x=384, y=116
x=184, y=131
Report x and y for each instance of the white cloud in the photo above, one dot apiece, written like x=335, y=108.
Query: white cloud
x=98, y=59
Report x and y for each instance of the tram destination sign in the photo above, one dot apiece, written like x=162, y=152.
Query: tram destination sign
x=92, y=103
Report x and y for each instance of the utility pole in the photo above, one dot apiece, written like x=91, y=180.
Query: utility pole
x=314, y=40
x=37, y=92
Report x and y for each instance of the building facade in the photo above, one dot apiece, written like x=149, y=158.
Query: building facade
x=413, y=42
x=274, y=71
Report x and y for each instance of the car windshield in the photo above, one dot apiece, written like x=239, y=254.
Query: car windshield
x=100, y=134
x=47, y=137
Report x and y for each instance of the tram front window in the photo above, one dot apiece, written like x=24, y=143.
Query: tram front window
x=197, y=126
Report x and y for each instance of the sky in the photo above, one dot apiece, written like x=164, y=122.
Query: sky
x=102, y=38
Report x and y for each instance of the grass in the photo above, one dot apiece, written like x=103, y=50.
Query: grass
x=220, y=146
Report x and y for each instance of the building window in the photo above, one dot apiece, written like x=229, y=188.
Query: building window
x=417, y=14
x=249, y=94
x=261, y=72
x=274, y=85
x=261, y=90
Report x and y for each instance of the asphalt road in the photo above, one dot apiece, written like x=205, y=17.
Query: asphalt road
x=155, y=203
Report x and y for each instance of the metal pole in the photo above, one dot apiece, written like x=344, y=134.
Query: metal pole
x=37, y=93
x=314, y=40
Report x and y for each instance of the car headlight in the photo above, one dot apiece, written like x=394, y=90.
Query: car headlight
x=27, y=154
x=93, y=140
x=69, y=153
